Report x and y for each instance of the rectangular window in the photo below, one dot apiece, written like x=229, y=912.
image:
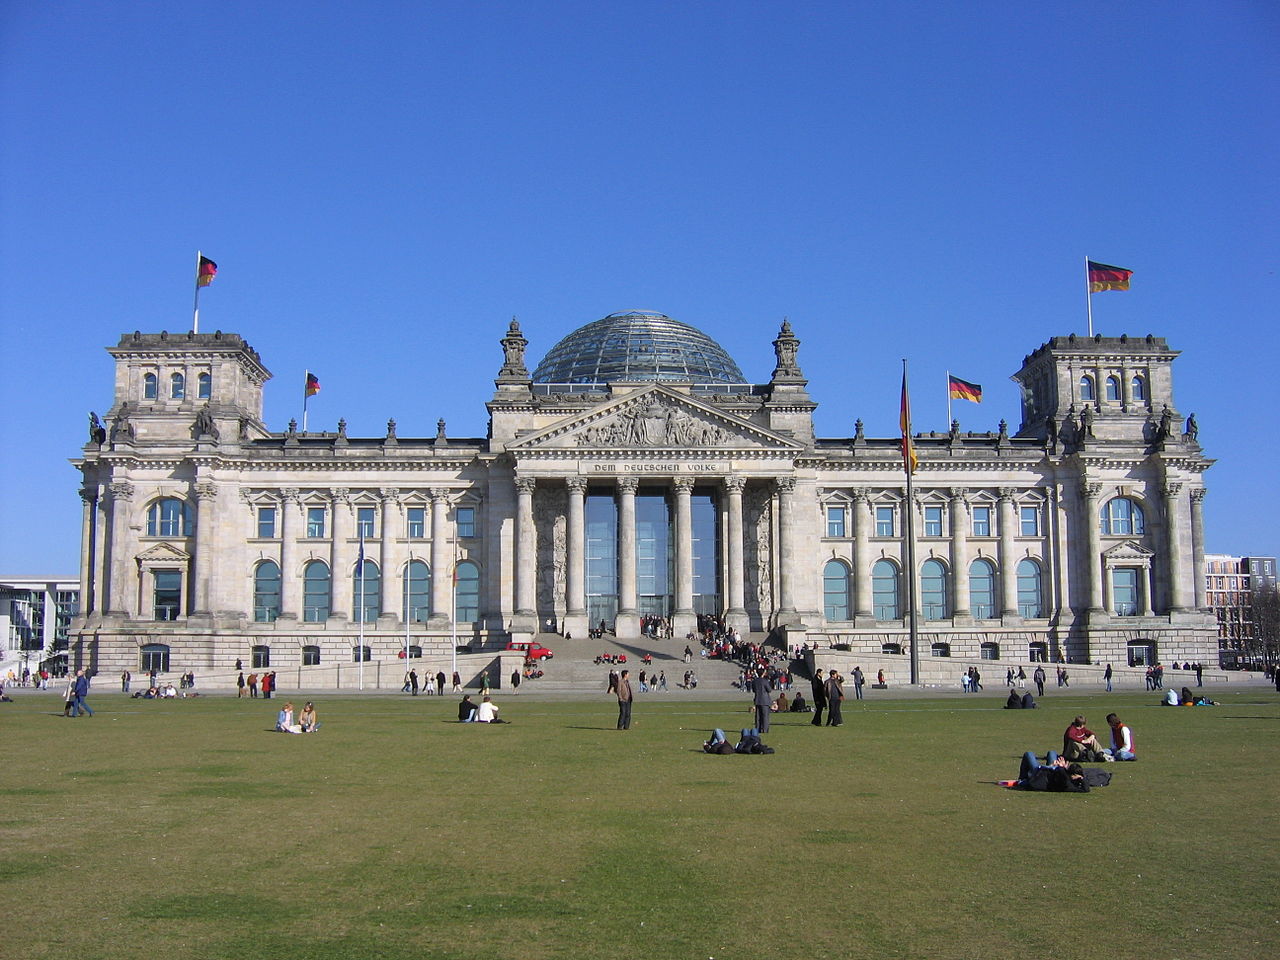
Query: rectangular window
x=315, y=522
x=466, y=518
x=1030, y=517
x=267, y=523
x=982, y=521
x=1124, y=591
x=168, y=597
x=417, y=517
x=933, y=521
x=884, y=521
x=364, y=522
x=835, y=521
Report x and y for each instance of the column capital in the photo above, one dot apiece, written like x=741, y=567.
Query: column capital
x=683, y=485
x=525, y=484
x=206, y=491
x=389, y=495
x=439, y=494
x=735, y=484
x=1007, y=494
x=576, y=484
x=1197, y=494
x=861, y=495
x=121, y=490
x=1090, y=490
x=340, y=495
x=1171, y=488
x=88, y=494
x=785, y=484
x=628, y=484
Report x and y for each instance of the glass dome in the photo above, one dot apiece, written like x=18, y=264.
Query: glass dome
x=637, y=345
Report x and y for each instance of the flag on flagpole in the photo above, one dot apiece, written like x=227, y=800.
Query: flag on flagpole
x=360, y=557
x=909, y=458
x=313, y=385
x=1104, y=277
x=959, y=389
x=205, y=272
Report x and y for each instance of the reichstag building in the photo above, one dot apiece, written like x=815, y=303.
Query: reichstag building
x=635, y=473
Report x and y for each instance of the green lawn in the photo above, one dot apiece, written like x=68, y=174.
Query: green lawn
x=188, y=829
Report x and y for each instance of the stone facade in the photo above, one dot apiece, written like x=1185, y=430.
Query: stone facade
x=209, y=537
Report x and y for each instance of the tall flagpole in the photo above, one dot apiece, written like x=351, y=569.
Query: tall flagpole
x=1088, y=295
x=195, y=312
x=948, y=399
x=909, y=510
x=306, y=375
x=360, y=612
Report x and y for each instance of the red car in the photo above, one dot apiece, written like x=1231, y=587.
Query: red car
x=531, y=649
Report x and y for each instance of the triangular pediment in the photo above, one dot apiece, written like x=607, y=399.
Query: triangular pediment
x=654, y=419
x=1128, y=550
x=163, y=553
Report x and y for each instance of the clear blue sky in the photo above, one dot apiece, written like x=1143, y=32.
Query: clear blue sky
x=385, y=185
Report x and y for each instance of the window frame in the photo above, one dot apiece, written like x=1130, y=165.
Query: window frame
x=980, y=610
x=886, y=519
x=420, y=522
x=177, y=386
x=836, y=524
x=835, y=602
x=978, y=525
x=934, y=520
x=464, y=520
x=263, y=610
x=317, y=520
x=204, y=386
x=173, y=590
x=1029, y=512
x=267, y=523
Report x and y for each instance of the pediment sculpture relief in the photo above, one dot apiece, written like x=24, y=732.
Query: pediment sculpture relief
x=655, y=425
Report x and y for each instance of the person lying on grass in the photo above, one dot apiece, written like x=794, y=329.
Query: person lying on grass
x=1056, y=775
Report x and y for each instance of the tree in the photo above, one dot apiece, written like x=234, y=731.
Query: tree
x=1265, y=613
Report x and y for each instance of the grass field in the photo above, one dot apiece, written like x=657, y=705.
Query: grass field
x=188, y=829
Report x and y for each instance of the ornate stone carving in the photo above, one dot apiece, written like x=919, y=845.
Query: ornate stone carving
x=340, y=495
x=1172, y=488
x=206, y=491
x=121, y=490
x=576, y=484
x=1007, y=494
x=734, y=484
x=551, y=525
x=628, y=484
x=1197, y=494
x=683, y=485
x=526, y=485
x=785, y=485
x=1090, y=490
x=513, y=346
x=757, y=559
x=289, y=494
x=785, y=348
x=390, y=495
x=204, y=425
x=959, y=494
x=653, y=424
x=439, y=493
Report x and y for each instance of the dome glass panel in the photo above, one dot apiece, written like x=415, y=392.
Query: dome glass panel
x=637, y=345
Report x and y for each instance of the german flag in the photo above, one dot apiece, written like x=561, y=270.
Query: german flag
x=909, y=458
x=313, y=385
x=205, y=272
x=1103, y=277
x=964, y=390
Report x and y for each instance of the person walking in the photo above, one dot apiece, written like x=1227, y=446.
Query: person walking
x=624, y=701
x=240, y=685
x=1106, y=675
x=79, y=706
x=819, y=688
x=457, y=682
x=1199, y=669
x=835, y=696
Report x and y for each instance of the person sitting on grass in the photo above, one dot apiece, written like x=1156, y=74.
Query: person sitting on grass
x=1121, y=740
x=1013, y=702
x=284, y=720
x=781, y=705
x=487, y=712
x=800, y=705
x=307, y=719
x=466, y=709
x=1079, y=742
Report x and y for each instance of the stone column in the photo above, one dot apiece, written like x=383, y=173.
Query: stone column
x=576, y=557
x=526, y=558
x=786, y=558
x=737, y=612
x=290, y=575
x=684, y=620
x=391, y=578
x=441, y=564
x=1126, y=389
x=960, y=551
x=202, y=560
x=342, y=583
x=628, y=615
x=101, y=560
x=1178, y=596
x=1197, y=546
x=1092, y=566
x=1008, y=562
x=862, y=600
x=88, y=498
x=120, y=598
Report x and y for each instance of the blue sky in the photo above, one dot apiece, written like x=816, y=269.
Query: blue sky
x=385, y=185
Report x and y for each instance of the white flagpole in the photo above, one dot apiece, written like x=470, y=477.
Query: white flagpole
x=453, y=618
x=306, y=377
x=195, y=313
x=360, y=612
x=1088, y=295
x=948, y=399
x=408, y=613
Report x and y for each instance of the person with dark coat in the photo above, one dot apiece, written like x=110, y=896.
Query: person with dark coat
x=819, y=688
x=1038, y=677
x=762, y=700
x=623, y=691
x=1013, y=702
x=440, y=678
x=835, y=694
x=466, y=709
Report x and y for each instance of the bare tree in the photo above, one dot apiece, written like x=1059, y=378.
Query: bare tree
x=1265, y=610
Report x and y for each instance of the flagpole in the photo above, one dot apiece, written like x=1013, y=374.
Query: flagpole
x=195, y=311
x=909, y=510
x=1088, y=296
x=306, y=375
x=360, y=612
x=408, y=616
x=948, y=399
x=453, y=617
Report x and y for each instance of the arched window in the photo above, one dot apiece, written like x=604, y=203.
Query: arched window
x=204, y=386
x=315, y=592
x=417, y=592
x=170, y=517
x=177, y=386
x=1086, y=388
x=311, y=656
x=933, y=590
x=940, y=650
x=1113, y=388
x=155, y=657
x=366, y=592
x=1030, y=594
x=835, y=590
x=150, y=387
x=885, y=594
x=982, y=589
x=260, y=656
x=1122, y=517
x=467, y=592
x=1138, y=387
x=266, y=592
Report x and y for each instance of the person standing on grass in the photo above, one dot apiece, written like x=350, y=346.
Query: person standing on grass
x=440, y=679
x=124, y=682
x=240, y=686
x=762, y=700
x=515, y=681
x=858, y=680
x=819, y=688
x=253, y=686
x=835, y=695
x=624, y=701
x=1106, y=675
x=1038, y=677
